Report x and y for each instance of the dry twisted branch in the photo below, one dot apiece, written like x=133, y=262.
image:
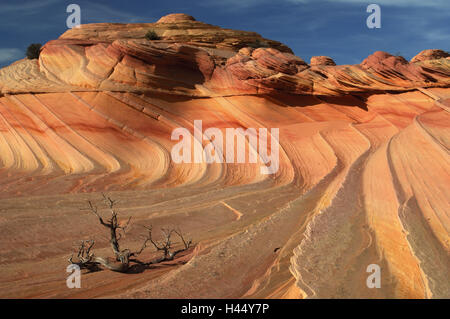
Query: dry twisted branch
x=121, y=262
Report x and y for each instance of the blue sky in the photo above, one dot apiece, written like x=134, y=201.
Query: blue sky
x=336, y=28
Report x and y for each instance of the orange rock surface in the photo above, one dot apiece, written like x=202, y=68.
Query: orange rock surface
x=363, y=177
x=322, y=60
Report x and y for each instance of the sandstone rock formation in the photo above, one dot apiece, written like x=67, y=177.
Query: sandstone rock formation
x=363, y=179
x=192, y=57
x=322, y=60
x=430, y=55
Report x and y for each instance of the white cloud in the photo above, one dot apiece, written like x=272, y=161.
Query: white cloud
x=10, y=54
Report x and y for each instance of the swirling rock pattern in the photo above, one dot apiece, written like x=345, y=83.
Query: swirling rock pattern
x=363, y=177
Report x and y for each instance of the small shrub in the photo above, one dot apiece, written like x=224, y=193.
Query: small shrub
x=151, y=35
x=33, y=51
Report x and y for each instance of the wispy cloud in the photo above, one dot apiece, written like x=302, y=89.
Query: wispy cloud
x=10, y=54
x=437, y=36
x=238, y=4
x=233, y=4
x=24, y=15
x=48, y=15
x=95, y=12
x=29, y=7
x=437, y=4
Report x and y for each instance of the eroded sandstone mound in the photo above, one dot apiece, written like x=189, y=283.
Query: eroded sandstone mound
x=363, y=177
x=192, y=56
x=322, y=60
x=430, y=55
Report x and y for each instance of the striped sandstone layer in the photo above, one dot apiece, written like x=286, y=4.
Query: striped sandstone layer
x=363, y=177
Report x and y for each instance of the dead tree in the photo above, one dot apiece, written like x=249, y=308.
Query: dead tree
x=165, y=244
x=86, y=259
x=122, y=257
